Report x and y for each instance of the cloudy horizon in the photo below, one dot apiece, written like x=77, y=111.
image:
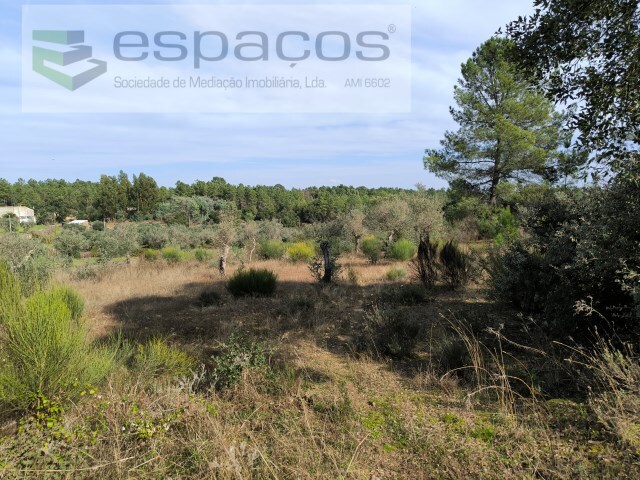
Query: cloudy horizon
x=295, y=150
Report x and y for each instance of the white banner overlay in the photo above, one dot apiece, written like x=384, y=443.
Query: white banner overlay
x=201, y=58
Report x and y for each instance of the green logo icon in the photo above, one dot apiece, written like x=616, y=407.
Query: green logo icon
x=63, y=57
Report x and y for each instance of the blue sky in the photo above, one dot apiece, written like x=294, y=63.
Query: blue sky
x=295, y=150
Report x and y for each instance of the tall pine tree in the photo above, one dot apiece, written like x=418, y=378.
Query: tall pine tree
x=508, y=130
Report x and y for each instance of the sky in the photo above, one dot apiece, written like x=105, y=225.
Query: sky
x=294, y=150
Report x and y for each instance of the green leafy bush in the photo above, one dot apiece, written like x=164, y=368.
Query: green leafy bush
x=403, y=250
x=151, y=254
x=28, y=260
x=499, y=224
x=301, y=252
x=206, y=237
x=184, y=237
x=474, y=218
x=253, y=282
x=97, y=226
x=202, y=255
x=9, y=223
x=44, y=349
x=236, y=356
x=121, y=241
x=581, y=249
x=456, y=265
x=394, y=274
x=371, y=246
x=520, y=276
x=172, y=254
x=157, y=358
x=72, y=243
x=73, y=301
x=153, y=236
x=272, y=250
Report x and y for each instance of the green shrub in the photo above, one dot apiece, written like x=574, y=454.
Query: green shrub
x=209, y=298
x=10, y=295
x=72, y=243
x=581, y=246
x=97, y=226
x=257, y=282
x=498, y=224
x=238, y=355
x=206, y=237
x=159, y=359
x=153, y=236
x=394, y=274
x=88, y=272
x=121, y=241
x=172, y=254
x=184, y=237
x=371, y=246
x=455, y=265
x=425, y=265
x=270, y=230
x=73, y=227
x=477, y=219
x=403, y=250
x=272, y=250
x=301, y=252
x=386, y=334
x=10, y=223
x=73, y=301
x=151, y=254
x=202, y=255
x=45, y=351
x=28, y=260
x=518, y=276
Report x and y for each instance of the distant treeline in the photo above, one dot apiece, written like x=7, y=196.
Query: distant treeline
x=140, y=198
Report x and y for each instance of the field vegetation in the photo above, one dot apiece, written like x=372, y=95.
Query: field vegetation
x=489, y=330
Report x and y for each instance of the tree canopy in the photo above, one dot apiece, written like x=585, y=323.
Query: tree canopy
x=508, y=129
x=586, y=54
x=116, y=197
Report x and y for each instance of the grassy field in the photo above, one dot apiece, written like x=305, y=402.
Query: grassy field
x=302, y=389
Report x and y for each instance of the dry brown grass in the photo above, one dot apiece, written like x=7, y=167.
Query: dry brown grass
x=318, y=411
x=179, y=284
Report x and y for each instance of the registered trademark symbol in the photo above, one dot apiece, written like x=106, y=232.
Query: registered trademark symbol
x=392, y=28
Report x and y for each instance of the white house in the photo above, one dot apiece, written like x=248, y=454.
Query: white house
x=24, y=214
x=84, y=223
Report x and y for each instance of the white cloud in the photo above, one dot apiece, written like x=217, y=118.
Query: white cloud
x=294, y=150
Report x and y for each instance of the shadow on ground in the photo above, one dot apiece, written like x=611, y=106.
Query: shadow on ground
x=331, y=315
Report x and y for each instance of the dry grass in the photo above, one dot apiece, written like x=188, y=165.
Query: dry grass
x=372, y=274
x=317, y=410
